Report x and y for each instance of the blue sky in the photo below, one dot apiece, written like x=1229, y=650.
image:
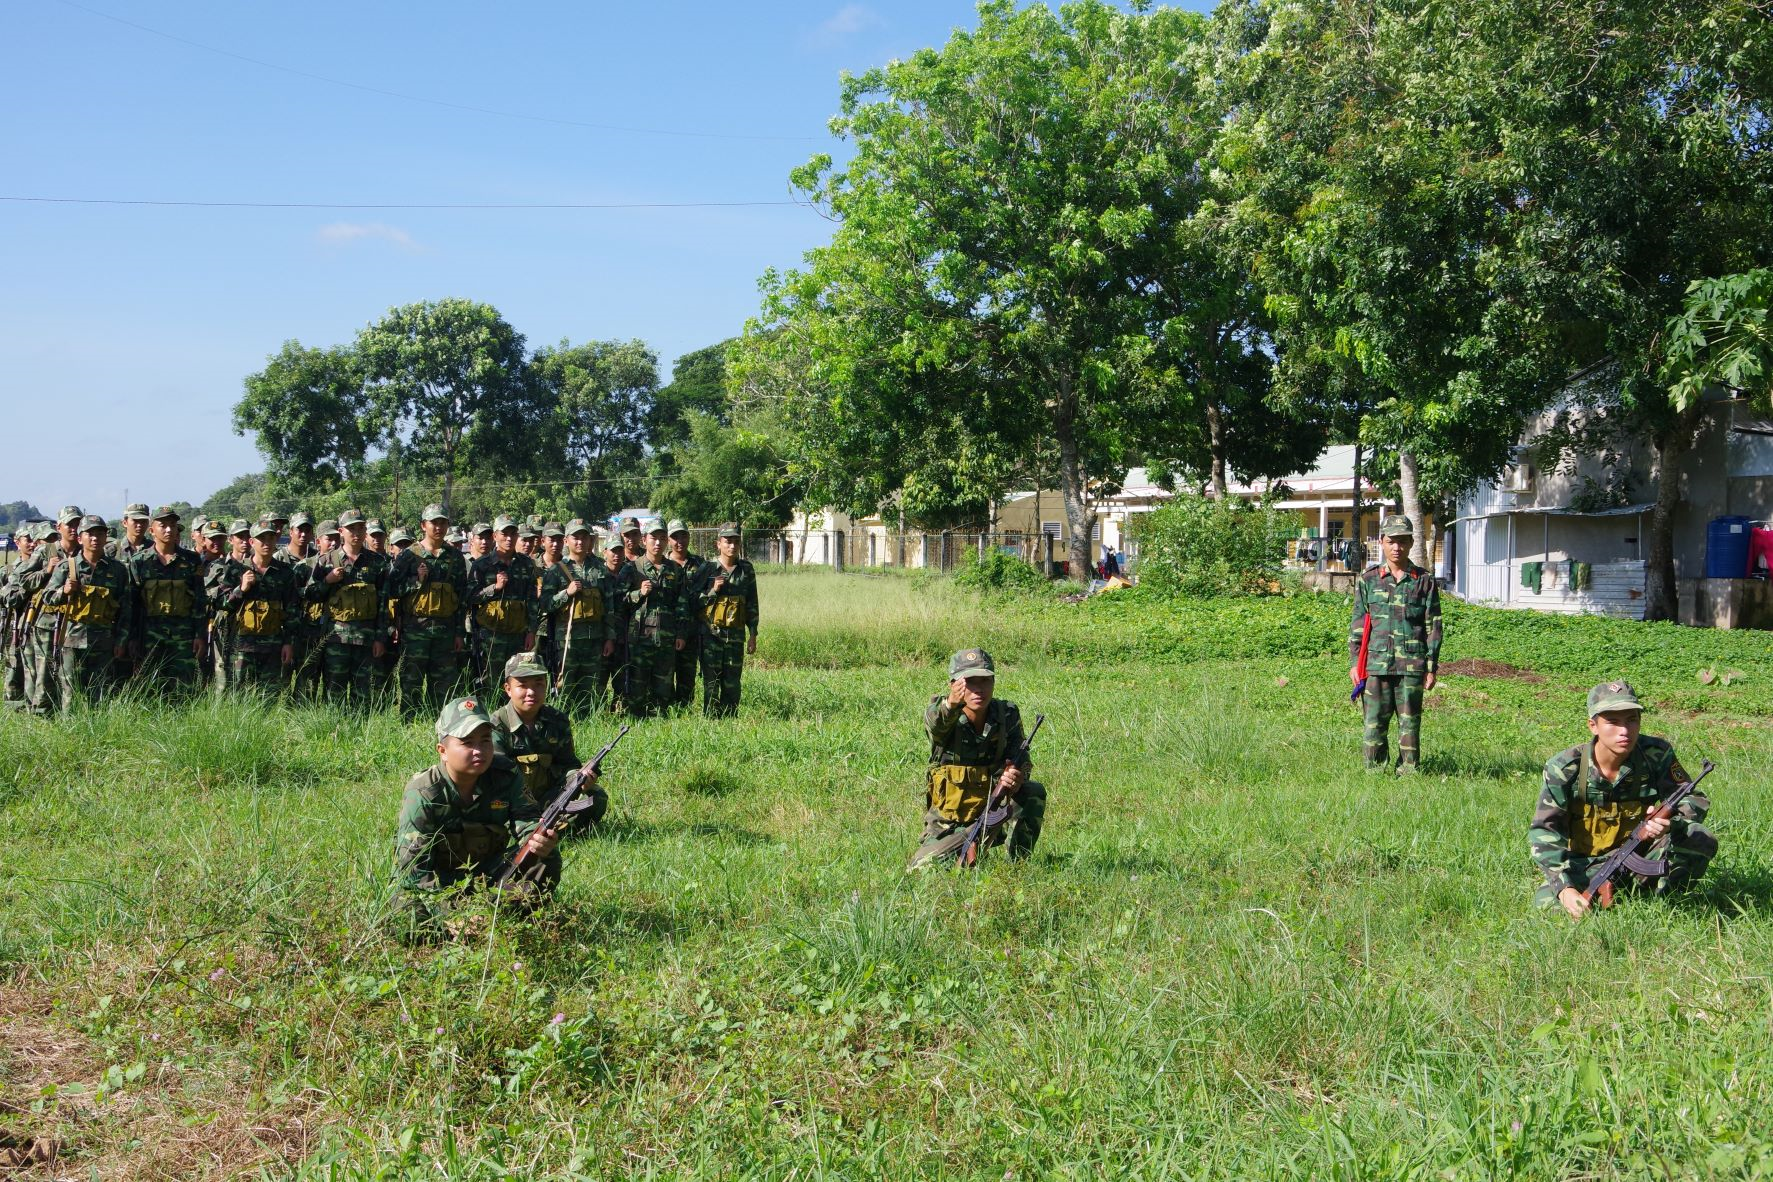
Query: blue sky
x=125, y=331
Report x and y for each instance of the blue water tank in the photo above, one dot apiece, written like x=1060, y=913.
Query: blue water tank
x=1726, y=548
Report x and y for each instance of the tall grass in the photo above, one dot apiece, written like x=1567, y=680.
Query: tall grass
x=1234, y=955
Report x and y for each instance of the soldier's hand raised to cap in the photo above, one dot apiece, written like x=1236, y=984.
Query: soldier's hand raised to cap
x=957, y=692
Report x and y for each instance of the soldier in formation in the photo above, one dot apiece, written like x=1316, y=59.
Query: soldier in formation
x=656, y=625
x=725, y=595
x=429, y=583
x=502, y=586
x=577, y=592
x=351, y=581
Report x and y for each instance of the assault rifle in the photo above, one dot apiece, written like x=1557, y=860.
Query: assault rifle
x=1626, y=857
x=557, y=808
x=994, y=814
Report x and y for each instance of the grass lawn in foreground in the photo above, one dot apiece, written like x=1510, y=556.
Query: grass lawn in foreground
x=1234, y=955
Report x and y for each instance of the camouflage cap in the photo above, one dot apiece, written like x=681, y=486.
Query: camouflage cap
x=373, y=526
x=434, y=512
x=525, y=665
x=630, y=525
x=553, y=530
x=462, y=718
x=455, y=537
x=92, y=521
x=577, y=526
x=279, y=516
x=503, y=522
x=1612, y=695
x=729, y=530
x=69, y=515
x=135, y=512
x=658, y=527
x=329, y=528
x=481, y=527
x=676, y=527
x=615, y=543
x=526, y=530
x=535, y=520
x=164, y=512
x=1396, y=525
x=302, y=517
x=400, y=536
x=971, y=662
x=239, y=526
x=267, y=525
x=351, y=517
x=214, y=529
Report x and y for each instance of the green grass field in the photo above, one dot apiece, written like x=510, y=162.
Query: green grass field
x=1234, y=955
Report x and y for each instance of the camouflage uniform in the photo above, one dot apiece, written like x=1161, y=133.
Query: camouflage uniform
x=310, y=654
x=442, y=842
x=504, y=618
x=172, y=614
x=263, y=621
x=965, y=763
x=430, y=620
x=579, y=640
x=612, y=682
x=1582, y=817
x=727, y=620
x=683, y=691
x=120, y=547
x=543, y=751
x=359, y=618
x=42, y=679
x=655, y=622
x=16, y=605
x=1405, y=646
x=218, y=576
x=97, y=618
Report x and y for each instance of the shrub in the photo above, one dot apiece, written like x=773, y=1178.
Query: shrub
x=1200, y=547
x=997, y=570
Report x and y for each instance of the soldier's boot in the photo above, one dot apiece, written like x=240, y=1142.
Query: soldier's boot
x=1031, y=803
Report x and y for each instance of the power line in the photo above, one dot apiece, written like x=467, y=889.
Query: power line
x=397, y=205
x=434, y=102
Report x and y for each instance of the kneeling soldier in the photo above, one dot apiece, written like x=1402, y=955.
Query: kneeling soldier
x=1597, y=792
x=976, y=741
x=462, y=818
x=539, y=739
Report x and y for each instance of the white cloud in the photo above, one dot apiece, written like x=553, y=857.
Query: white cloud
x=345, y=233
x=842, y=25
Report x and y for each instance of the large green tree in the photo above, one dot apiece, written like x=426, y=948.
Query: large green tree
x=451, y=393
x=305, y=410
x=1380, y=210
x=602, y=394
x=982, y=294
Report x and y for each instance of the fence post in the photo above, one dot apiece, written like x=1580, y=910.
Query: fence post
x=836, y=550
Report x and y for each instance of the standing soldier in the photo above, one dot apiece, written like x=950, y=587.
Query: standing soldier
x=350, y=581
x=539, y=739
x=545, y=555
x=527, y=537
x=576, y=592
x=684, y=673
x=1596, y=793
x=264, y=611
x=976, y=743
x=375, y=537
x=41, y=676
x=1397, y=623
x=612, y=682
x=94, y=596
x=479, y=542
x=134, y=538
x=221, y=575
x=726, y=594
x=656, y=626
x=14, y=610
x=633, y=546
x=503, y=584
x=173, y=608
x=431, y=583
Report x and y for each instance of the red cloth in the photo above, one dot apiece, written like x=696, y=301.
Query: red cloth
x=1760, y=546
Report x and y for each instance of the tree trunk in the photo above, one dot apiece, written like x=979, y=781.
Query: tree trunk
x=1661, y=599
x=1409, y=492
x=1216, y=450
x=1072, y=492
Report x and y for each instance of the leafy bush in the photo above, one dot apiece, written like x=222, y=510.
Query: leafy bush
x=996, y=570
x=1199, y=547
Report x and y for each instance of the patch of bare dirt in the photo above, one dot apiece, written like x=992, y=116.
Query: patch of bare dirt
x=1498, y=670
x=173, y=1124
